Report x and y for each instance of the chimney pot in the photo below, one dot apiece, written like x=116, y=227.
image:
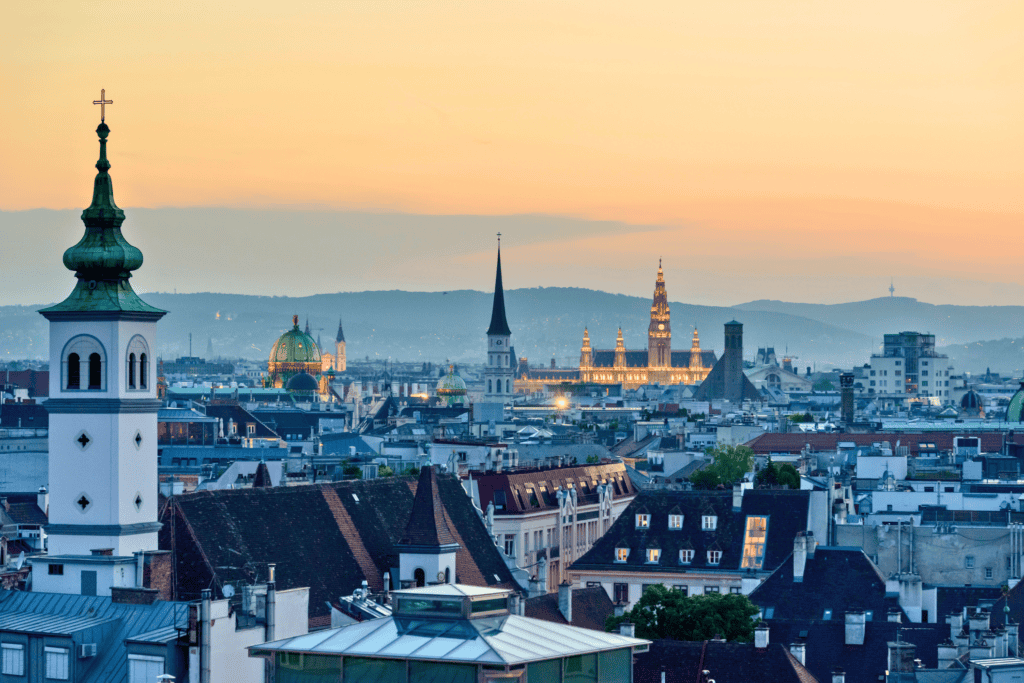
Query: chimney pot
x=628, y=629
x=761, y=636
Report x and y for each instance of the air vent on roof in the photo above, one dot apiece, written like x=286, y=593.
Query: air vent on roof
x=87, y=650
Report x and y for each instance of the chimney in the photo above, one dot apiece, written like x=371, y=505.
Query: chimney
x=979, y=621
x=895, y=616
x=901, y=657
x=270, y=628
x=737, y=497
x=855, y=626
x=628, y=629
x=799, y=651
x=799, y=557
x=565, y=600
x=761, y=636
x=811, y=544
x=956, y=624
x=43, y=500
x=947, y=654
x=838, y=676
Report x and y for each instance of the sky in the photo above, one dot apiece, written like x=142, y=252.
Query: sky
x=791, y=150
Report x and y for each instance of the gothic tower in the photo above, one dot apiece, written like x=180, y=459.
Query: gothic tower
x=586, y=353
x=659, y=334
x=498, y=375
x=103, y=411
x=339, y=350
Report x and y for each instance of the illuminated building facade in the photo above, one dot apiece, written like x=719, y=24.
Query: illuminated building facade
x=659, y=363
x=293, y=353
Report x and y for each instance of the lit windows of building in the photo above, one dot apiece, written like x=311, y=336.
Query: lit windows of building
x=754, y=542
x=643, y=521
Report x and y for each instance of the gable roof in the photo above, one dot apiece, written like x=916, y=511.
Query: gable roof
x=787, y=512
x=714, y=387
x=525, y=491
x=684, y=662
x=835, y=578
x=328, y=537
x=590, y=608
x=427, y=525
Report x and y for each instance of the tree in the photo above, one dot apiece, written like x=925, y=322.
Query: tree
x=663, y=613
x=705, y=480
x=798, y=418
x=385, y=471
x=411, y=472
x=777, y=474
x=729, y=464
x=350, y=471
x=593, y=459
x=823, y=385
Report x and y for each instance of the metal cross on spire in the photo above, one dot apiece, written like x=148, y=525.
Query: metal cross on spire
x=499, y=240
x=103, y=102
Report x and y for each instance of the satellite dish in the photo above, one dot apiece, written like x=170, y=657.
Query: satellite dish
x=228, y=591
x=21, y=561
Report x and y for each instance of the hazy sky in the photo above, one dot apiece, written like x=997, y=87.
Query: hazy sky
x=798, y=150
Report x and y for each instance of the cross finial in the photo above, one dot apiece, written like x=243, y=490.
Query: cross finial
x=103, y=102
x=499, y=240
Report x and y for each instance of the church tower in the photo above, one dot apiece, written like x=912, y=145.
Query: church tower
x=103, y=411
x=498, y=375
x=659, y=334
x=339, y=350
x=586, y=353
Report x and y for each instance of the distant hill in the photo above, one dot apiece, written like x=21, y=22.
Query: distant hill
x=545, y=322
x=1005, y=356
x=876, y=317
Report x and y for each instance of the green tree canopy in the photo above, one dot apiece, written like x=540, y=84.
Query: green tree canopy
x=823, y=385
x=777, y=474
x=663, y=613
x=728, y=464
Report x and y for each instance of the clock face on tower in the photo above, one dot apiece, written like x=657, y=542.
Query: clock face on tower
x=661, y=326
x=440, y=576
x=498, y=342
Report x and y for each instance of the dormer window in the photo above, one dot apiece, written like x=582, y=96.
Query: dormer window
x=653, y=555
x=686, y=556
x=675, y=522
x=643, y=521
x=621, y=554
x=714, y=556
x=709, y=522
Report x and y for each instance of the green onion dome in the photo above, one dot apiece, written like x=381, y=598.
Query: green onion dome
x=1016, y=408
x=451, y=388
x=295, y=346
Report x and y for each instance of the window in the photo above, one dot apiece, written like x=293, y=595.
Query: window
x=144, y=669
x=55, y=569
x=988, y=572
x=969, y=562
x=714, y=556
x=675, y=522
x=682, y=588
x=510, y=544
x=621, y=554
x=643, y=521
x=872, y=374
x=654, y=554
x=708, y=590
x=924, y=383
x=924, y=373
x=143, y=371
x=827, y=615
x=13, y=659
x=685, y=556
x=136, y=360
x=621, y=591
x=898, y=373
x=56, y=663
x=87, y=350
x=734, y=590
x=709, y=522
x=754, y=542
x=131, y=371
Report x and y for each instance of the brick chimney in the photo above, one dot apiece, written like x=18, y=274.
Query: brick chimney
x=799, y=557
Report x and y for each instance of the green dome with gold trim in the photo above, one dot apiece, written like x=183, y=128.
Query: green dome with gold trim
x=1015, y=411
x=295, y=346
x=451, y=388
x=293, y=353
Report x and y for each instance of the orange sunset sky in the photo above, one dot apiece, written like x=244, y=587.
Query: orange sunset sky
x=798, y=150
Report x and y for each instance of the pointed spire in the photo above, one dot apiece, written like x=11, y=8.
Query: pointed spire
x=619, y=340
x=499, y=324
x=341, y=334
x=307, y=325
x=262, y=480
x=427, y=525
x=103, y=260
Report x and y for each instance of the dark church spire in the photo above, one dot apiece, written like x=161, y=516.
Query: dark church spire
x=341, y=335
x=499, y=325
x=427, y=525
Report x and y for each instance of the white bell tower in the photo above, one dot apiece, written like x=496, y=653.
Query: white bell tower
x=499, y=373
x=103, y=411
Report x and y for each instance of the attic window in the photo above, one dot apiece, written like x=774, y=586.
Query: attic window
x=714, y=556
x=709, y=522
x=685, y=556
x=827, y=615
x=675, y=522
x=621, y=554
x=754, y=542
x=653, y=555
x=643, y=521
x=355, y=497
